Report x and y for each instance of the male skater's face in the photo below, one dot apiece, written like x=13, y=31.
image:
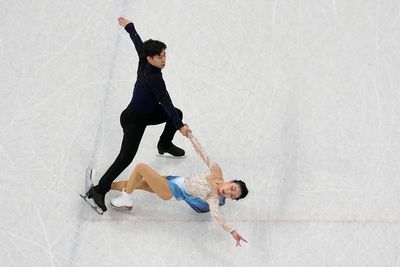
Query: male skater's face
x=158, y=60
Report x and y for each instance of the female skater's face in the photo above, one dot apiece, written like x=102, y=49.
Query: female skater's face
x=229, y=190
x=158, y=60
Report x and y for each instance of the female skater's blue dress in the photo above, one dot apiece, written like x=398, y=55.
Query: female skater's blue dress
x=180, y=192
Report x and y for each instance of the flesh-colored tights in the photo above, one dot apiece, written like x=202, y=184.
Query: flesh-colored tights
x=143, y=177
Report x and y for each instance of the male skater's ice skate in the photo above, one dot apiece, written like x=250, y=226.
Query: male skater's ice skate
x=89, y=184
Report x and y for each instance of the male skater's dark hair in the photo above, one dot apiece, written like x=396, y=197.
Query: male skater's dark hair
x=243, y=189
x=153, y=47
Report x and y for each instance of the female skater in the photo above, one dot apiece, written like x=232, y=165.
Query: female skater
x=203, y=192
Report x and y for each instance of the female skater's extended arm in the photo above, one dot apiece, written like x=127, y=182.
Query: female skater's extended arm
x=202, y=154
x=213, y=203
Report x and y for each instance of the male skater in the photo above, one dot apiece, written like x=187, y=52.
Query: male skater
x=150, y=105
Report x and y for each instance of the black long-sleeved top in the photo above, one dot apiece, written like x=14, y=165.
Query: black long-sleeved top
x=150, y=90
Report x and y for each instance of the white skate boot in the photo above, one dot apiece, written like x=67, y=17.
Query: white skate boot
x=123, y=202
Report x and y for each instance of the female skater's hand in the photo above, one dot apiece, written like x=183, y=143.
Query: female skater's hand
x=185, y=130
x=238, y=237
x=123, y=21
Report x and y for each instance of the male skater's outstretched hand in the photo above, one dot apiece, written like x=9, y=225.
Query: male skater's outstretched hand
x=123, y=21
x=185, y=130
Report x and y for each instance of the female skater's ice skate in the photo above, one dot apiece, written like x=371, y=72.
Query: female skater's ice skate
x=123, y=202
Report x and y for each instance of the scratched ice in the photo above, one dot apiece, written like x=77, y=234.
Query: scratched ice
x=297, y=98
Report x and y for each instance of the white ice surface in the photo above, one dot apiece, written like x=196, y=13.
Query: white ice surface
x=298, y=98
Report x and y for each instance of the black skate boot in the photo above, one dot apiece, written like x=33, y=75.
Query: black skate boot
x=171, y=149
x=98, y=198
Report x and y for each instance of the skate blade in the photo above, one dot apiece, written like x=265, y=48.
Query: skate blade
x=94, y=206
x=169, y=156
x=124, y=209
x=89, y=178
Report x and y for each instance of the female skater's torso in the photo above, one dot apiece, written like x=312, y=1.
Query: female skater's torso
x=203, y=185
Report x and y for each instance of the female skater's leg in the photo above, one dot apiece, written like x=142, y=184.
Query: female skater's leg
x=121, y=185
x=145, y=178
x=157, y=183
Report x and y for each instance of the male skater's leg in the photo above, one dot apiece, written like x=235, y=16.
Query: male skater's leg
x=165, y=144
x=133, y=134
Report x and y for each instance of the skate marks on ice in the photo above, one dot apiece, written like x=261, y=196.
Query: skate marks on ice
x=89, y=184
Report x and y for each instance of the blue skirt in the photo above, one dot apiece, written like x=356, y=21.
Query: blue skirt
x=177, y=186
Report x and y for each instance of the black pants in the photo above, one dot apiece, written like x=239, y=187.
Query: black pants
x=133, y=124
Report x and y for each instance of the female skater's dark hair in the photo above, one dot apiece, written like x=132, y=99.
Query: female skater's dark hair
x=153, y=47
x=243, y=189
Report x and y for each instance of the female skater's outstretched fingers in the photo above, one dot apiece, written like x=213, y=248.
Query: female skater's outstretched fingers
x=238, y=237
